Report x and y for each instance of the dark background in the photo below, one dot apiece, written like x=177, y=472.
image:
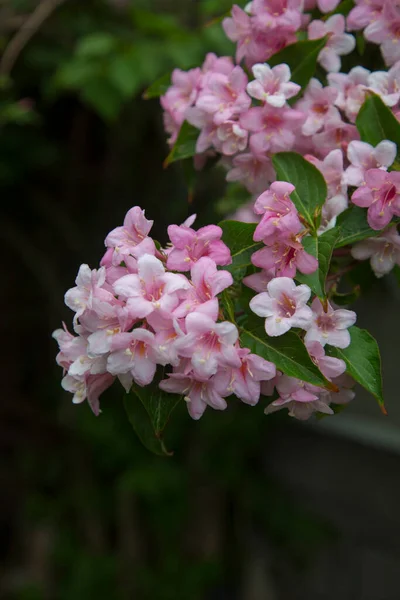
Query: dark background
x=249, y=507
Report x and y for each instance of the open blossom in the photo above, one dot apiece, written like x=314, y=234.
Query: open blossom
x=88, y=387
x=238, y=28
x=300, y=398
x=365, y=13
x=330, y=326
x=255, y=172
x=385, y=30
x=338, y=44
x=272, y=85
x=258, y=281
x=285, y=255
x=318, y=105
x=277, y=14
x=230, y=138
x=273, y=129
x=386, y=84
x=363, y=156
x=190, y=245
x=132, y=238
x=91, y=290
x=134, y=353
x=352, y=87
x=277, y=210
x=225, y=95
x=245, y=381
x=383, y=251
x=329, y=366
x=284, y=305
x=182, y=93
x=381, y=194
x=327, y=6
x=336, y=134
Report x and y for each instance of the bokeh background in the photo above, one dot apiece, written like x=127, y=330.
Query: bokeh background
x=249, y=507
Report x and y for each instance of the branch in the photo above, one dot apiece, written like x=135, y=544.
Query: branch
x=25, y=33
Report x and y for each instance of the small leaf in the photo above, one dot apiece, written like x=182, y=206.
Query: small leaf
x=148, y=411
x=376, y=122
x=238, y=237
x=321, y=247
x=185, y=145
x=301, y=58
x=311, y=191
x=159, y=87
x=287, y=352
x=363, y=362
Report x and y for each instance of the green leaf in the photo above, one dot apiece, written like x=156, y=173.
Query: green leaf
x=96, y=45
x=238, y=237
x=346, y=299
x=363, y=362
x=228, y=306
x=148, y=410
x=301, y=58
x=287, y=352
x=159, y=87
x=185, y=145
x=342, y=9
x=376, y=122
x=311, y=191
x=321, y=247
x=354, y=226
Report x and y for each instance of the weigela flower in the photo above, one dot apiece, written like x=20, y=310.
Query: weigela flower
x=225, y=95
x=255, y=172
x=284, y=255
x=132, y=238
x=386, y=84
x=363, y=156
x=364, y=14
x=134, y=353
x=329, y=366
x=272, y=85
x=381, y=194
x=300, y=398
x=383, y=251
x=318, y=106
x=338, y=44
x=277, y=210
x=245, y=382
x=351, y=87
x=277, y=14
x=329, y=326
x=284, y=305
x=273, y=129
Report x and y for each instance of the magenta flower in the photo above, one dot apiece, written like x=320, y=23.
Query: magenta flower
x=209, y=345
x=190, y=245
x=284, y=305
x=272, y=85
x=381, y=194
x=318, y=104
x=384, y=251
x=245, y=382
x=363, y=156
x=285, y=256
x=225, y=95
x=279, y=212
x=300, y=398
x=133, y=353
x=255, y=172
x=338, y=44
x=274, y=129
x=329, y=327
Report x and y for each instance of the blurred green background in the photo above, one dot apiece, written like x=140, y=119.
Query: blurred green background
x=85, y=511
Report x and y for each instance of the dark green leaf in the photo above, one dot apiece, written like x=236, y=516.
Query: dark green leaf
x=354, y=226
x=148, y=411
x=301, y=58
x=311, y=191
x=238, y=237
x=228, y=306
x=321, y=247
x=342, y=9
x=159, y=87
x=363, y=362
x=376, y=122
x=287, y=352
x=185, y=145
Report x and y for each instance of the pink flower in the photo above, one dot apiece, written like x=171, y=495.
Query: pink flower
x=190, y=245
x=338, y=44
x=330, y=327
x=285, y=256
x=336, y=134
x=198, y=394
x=258, y=281
x=245, y=382
x=203, y=121
x=152, y=289
x=326, y=6
x=386, y=84
x=225, y=95
x=284, y=305
x=385, y=30
x=238, y=28
x=182, y=93
x=332, y=170
x=131, y=239
x=89, y=290
x=381, y=194
x=277, y=14
x=230, y=138
x=318, y=104
x=216, y=64
x=255, y=172
x=384, y=251
x=279, y=212
x=300, y=398
x=365, y=13
x=352, y=87
x=209, y=345
x=272, y=85
x=134, y=353
x=274, y=129
x=88, y=386
x=363, y=156
x=329, y=366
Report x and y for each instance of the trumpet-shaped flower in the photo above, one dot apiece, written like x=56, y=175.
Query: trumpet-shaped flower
x=329, y=326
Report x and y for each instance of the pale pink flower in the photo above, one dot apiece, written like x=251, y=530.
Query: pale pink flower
x=209, y=345
x=198, y=394
x=272, y=85
x=258, y=281
x=331, y=168
x=318, y=104
x=190, y=245
x=300, y=398
x=255, y=172
x=279, y=212
x=230, y=138
x=329, y=366
x=330, y=326
x=132, y=238
x=385, y=30
x=366, y=13
x=238, y=28
x=152, y=289
x=285, y=256
x=89, y=286
x=225, y=95
x=363, y=156
x=182, y=93
x=245, y=382
x=339, y=43
x=384, y=251
x=386, y=84
x=203, y=121
x=326, y=6
x=245, y=214
x=216, y=64
x=88, y=386
x=345, y=393
x=273, y=129
x=277, y=14
x=134, y=353
x=71, y=347
x=284, y=305
x=381, y=194
x=352, y=87
x=336, y=134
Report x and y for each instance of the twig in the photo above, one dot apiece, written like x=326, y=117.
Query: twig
x=25, y=33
